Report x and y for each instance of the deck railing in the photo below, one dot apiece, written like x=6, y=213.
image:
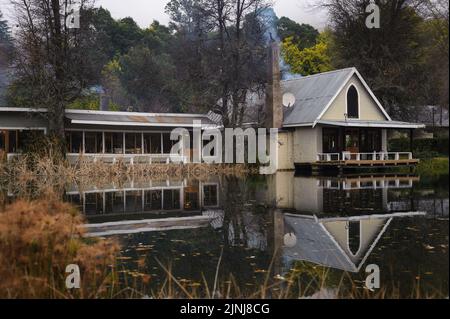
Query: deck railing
x=374, y=156
x=127, y=158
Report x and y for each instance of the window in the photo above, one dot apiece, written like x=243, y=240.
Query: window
x=133, y=201
x=133, y=143
x=93, y=142
x=152, y=200
x=167, y=143
x=210, y=195
x=114, y=143
x=330, y=140
x=171, y=199
x=354, y=236
x=74, y=142
x=352, y=103
x=2, y=140
x=152, y=143
x=114, y=202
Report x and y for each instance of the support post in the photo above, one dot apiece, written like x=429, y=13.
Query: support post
x=411, y=141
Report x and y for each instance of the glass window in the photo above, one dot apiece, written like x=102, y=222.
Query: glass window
x=133, y=201
x=167, y=143
x=75, y=142
x=114, y=202
x=152, y=143
x=12, y=140
x=113, y=143
x=133, y=143
x=191, y=196
x=210, y=195
x=93, y=142
x=2, y=140
x=171, y=199
x=352, y=103
x=94, y=203
x=153, y=200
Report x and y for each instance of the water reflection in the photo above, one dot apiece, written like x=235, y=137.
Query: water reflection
x=398, y=221
x=342, y=243
x=149, y=206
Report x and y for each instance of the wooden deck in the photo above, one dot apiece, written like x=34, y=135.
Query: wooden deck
x=370, y=163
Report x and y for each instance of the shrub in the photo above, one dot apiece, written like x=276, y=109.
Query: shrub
x=38, y=239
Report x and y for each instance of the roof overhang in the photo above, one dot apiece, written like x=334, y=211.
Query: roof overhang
x=375, y=124
x=130, y=119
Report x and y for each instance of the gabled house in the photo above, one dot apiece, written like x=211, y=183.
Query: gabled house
x=334, y=119
x=330, y=119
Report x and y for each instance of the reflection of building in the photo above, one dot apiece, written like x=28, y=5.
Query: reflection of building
x=342, y=243
x=149, y=206
x=345, y=195
x=333, y=221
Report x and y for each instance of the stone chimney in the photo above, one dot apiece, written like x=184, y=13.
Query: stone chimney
x=274, y=106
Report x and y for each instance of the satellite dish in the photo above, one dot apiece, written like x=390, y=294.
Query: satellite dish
x=288, y=99
x=290, y=240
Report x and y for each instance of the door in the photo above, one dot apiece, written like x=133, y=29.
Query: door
x=352, y=141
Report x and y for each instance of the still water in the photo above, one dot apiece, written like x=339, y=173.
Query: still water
x=285, y=228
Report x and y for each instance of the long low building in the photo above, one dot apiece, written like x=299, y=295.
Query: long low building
x=105, y=135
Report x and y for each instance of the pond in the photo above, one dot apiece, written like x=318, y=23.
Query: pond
x=309, y=235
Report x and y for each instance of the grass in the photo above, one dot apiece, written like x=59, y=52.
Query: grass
x=434, y=166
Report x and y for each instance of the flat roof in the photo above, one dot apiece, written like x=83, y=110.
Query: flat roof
x=111, y=118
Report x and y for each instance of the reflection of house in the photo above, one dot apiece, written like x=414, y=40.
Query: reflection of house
x=147, y=197
x=149, y=206
x=344, y=195
x=341, y=243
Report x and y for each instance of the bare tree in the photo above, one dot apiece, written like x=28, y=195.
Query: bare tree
x=49, y=61
x=230, y=39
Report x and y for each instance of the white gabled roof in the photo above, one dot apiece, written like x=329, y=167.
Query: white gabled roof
x=315, y=94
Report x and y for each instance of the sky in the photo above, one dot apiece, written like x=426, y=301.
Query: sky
x=145, y=11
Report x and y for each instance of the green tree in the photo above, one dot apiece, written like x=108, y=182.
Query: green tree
x=147, y=78
x=302, y=35
x=310, y=60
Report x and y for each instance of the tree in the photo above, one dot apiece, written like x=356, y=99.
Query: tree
x=227, y=43
x=391, y=57
x=50, y=64
x=147, y=78
x=310, y=60
x=302, y=35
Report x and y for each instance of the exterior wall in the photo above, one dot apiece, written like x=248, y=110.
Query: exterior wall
x=286, y=150
x=279, y=192
x=307, y=143
x=368, y=109
x=384, y=141
x=369, y=229
x=308, y=196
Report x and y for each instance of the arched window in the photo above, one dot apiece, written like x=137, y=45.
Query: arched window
x=352, y=103
x=354, y=236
